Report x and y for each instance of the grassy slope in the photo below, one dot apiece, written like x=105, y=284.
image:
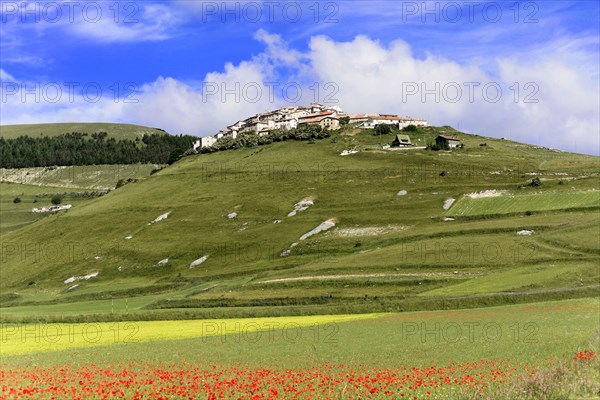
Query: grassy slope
x=118, y=131
x=421, y=253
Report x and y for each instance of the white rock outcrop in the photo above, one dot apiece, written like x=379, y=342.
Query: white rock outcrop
x=448, y=203
x=82, y=277
x=321, y=228
x=302, y=205
x=199, y=261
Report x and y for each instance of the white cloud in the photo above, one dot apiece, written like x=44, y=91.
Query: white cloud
x=372, y=77
x=143, y=22
x=5, y=76
x=220, y=100
x=100, y=21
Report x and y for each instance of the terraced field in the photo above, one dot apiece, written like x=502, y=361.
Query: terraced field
x=520, y=203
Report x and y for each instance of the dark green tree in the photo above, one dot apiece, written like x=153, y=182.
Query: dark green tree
x=382, y=129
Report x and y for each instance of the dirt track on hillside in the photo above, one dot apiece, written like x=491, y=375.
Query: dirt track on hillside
x=367, y=276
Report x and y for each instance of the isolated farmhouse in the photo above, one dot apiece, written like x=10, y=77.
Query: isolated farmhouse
x=401, y=141
x=446, y=140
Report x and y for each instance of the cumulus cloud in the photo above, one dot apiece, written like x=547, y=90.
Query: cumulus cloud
x=221, y=99
x=549, y=99
x=137, y=22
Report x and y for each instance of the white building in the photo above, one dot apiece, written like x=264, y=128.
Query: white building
x=328, y=113
x=205, y=141
x=357, y=118
x=370, y=121
x=325, y=121
x=288, y=123
x=406, y=121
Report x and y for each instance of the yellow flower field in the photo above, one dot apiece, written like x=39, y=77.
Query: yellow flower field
x=33, y=338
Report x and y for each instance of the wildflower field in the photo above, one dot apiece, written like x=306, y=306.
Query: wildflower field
x=537, y=350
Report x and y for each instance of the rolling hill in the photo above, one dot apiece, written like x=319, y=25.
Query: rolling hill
x=118, y=131
x=216, y=234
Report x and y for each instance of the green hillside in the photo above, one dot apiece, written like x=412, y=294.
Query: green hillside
x=118, y=131
x=389, y=250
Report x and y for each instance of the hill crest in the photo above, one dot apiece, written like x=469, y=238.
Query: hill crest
x=116, y=130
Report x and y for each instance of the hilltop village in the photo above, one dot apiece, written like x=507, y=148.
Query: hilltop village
x=329, y=117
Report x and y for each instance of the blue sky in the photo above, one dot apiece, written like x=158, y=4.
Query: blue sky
x=168, y=63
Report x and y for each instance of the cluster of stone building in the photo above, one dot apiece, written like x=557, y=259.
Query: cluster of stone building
x=315, y=114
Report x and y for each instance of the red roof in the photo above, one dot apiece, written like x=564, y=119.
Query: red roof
x=316, y=119
x=448, y=137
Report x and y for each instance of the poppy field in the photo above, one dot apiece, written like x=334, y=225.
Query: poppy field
x=324, y=381
x=529, y=351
